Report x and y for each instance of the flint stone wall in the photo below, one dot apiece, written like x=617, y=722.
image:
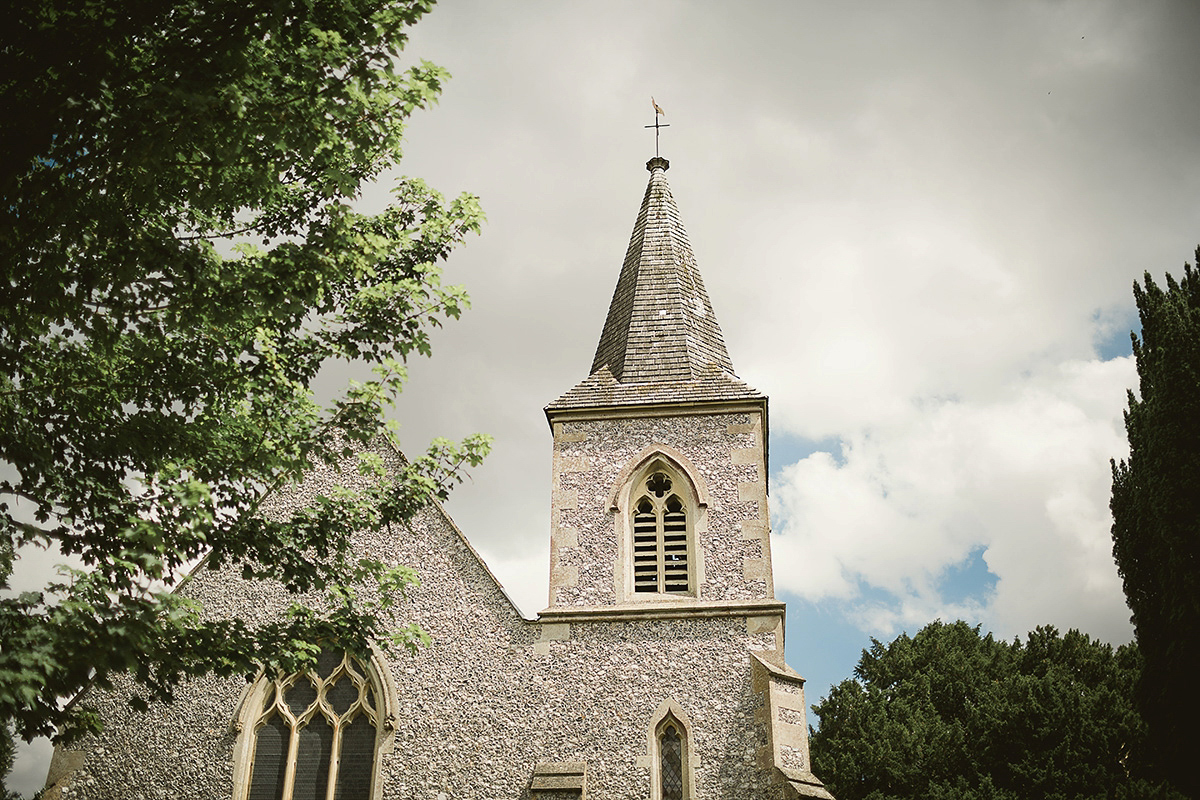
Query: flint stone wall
x=493, y=696
x=590, y=456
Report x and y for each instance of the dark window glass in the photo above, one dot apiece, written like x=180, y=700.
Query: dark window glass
x=357, y=760
x=342, y=695
x=327, y=662
x=312, y=760
x=301, y=695
x=305, y=747
x=671, y=756
x=270, y=760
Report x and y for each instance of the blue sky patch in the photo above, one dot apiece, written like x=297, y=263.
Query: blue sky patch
x=1115, y=343
x=788, y=448
x=821, y=644
x=967, y=580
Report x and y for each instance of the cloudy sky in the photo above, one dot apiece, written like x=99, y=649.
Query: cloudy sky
x=918, y=222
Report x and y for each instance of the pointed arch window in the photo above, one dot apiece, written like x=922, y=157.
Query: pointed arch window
x=670, y=750
x=662, y=548
x=316, y=734
x=673, y=777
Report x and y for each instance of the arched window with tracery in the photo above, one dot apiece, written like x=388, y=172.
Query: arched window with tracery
x=662, y=547
x=316, y=733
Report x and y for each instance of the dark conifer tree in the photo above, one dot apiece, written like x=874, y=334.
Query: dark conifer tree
x=951, y=714
x=1156, y=518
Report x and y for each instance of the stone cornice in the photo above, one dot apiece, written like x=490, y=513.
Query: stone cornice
x=656, y=410
x=700, y=609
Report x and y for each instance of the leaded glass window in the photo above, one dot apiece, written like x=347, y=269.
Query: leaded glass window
x=314, y=738
x=670, y=750
x=660, y=537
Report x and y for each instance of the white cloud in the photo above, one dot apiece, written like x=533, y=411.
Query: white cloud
x=1025, y=476
x=525, y=576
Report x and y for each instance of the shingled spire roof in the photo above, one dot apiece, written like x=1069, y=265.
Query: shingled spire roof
x=661, y=342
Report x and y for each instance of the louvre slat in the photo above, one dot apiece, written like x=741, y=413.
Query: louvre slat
x=660, y=540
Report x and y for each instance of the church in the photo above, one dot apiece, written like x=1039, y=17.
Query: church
x=655, y=673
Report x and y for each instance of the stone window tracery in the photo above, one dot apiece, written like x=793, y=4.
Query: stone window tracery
x=316, y=733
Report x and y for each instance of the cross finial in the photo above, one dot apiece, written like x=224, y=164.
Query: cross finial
x=658, y=112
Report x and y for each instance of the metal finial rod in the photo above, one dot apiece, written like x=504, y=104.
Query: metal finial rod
x=657, y=113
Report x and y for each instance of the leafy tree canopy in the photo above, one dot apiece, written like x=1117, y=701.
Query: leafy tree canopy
x=181, y=257
x=1156, y=518
x=949, y=713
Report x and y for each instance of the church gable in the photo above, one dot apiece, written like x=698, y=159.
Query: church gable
x=204, y=744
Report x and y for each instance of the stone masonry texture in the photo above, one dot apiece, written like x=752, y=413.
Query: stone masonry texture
x=479, y=707
x=589, y=456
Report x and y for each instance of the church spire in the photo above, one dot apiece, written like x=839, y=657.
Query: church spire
x=660, y=324
x=661, y=341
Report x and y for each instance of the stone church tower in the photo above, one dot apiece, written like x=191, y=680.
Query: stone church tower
x=656, y=672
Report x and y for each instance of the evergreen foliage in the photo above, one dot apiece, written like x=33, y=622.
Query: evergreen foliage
x=7, y=754
x=181, y=258
x=949, y=713
x=1156, y=518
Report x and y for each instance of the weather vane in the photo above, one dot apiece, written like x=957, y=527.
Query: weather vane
x=658, y=112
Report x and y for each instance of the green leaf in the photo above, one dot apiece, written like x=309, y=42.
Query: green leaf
x=184, y=259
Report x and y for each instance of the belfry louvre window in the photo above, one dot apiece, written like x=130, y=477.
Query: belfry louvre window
x=315, y=737
x=660, y=539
